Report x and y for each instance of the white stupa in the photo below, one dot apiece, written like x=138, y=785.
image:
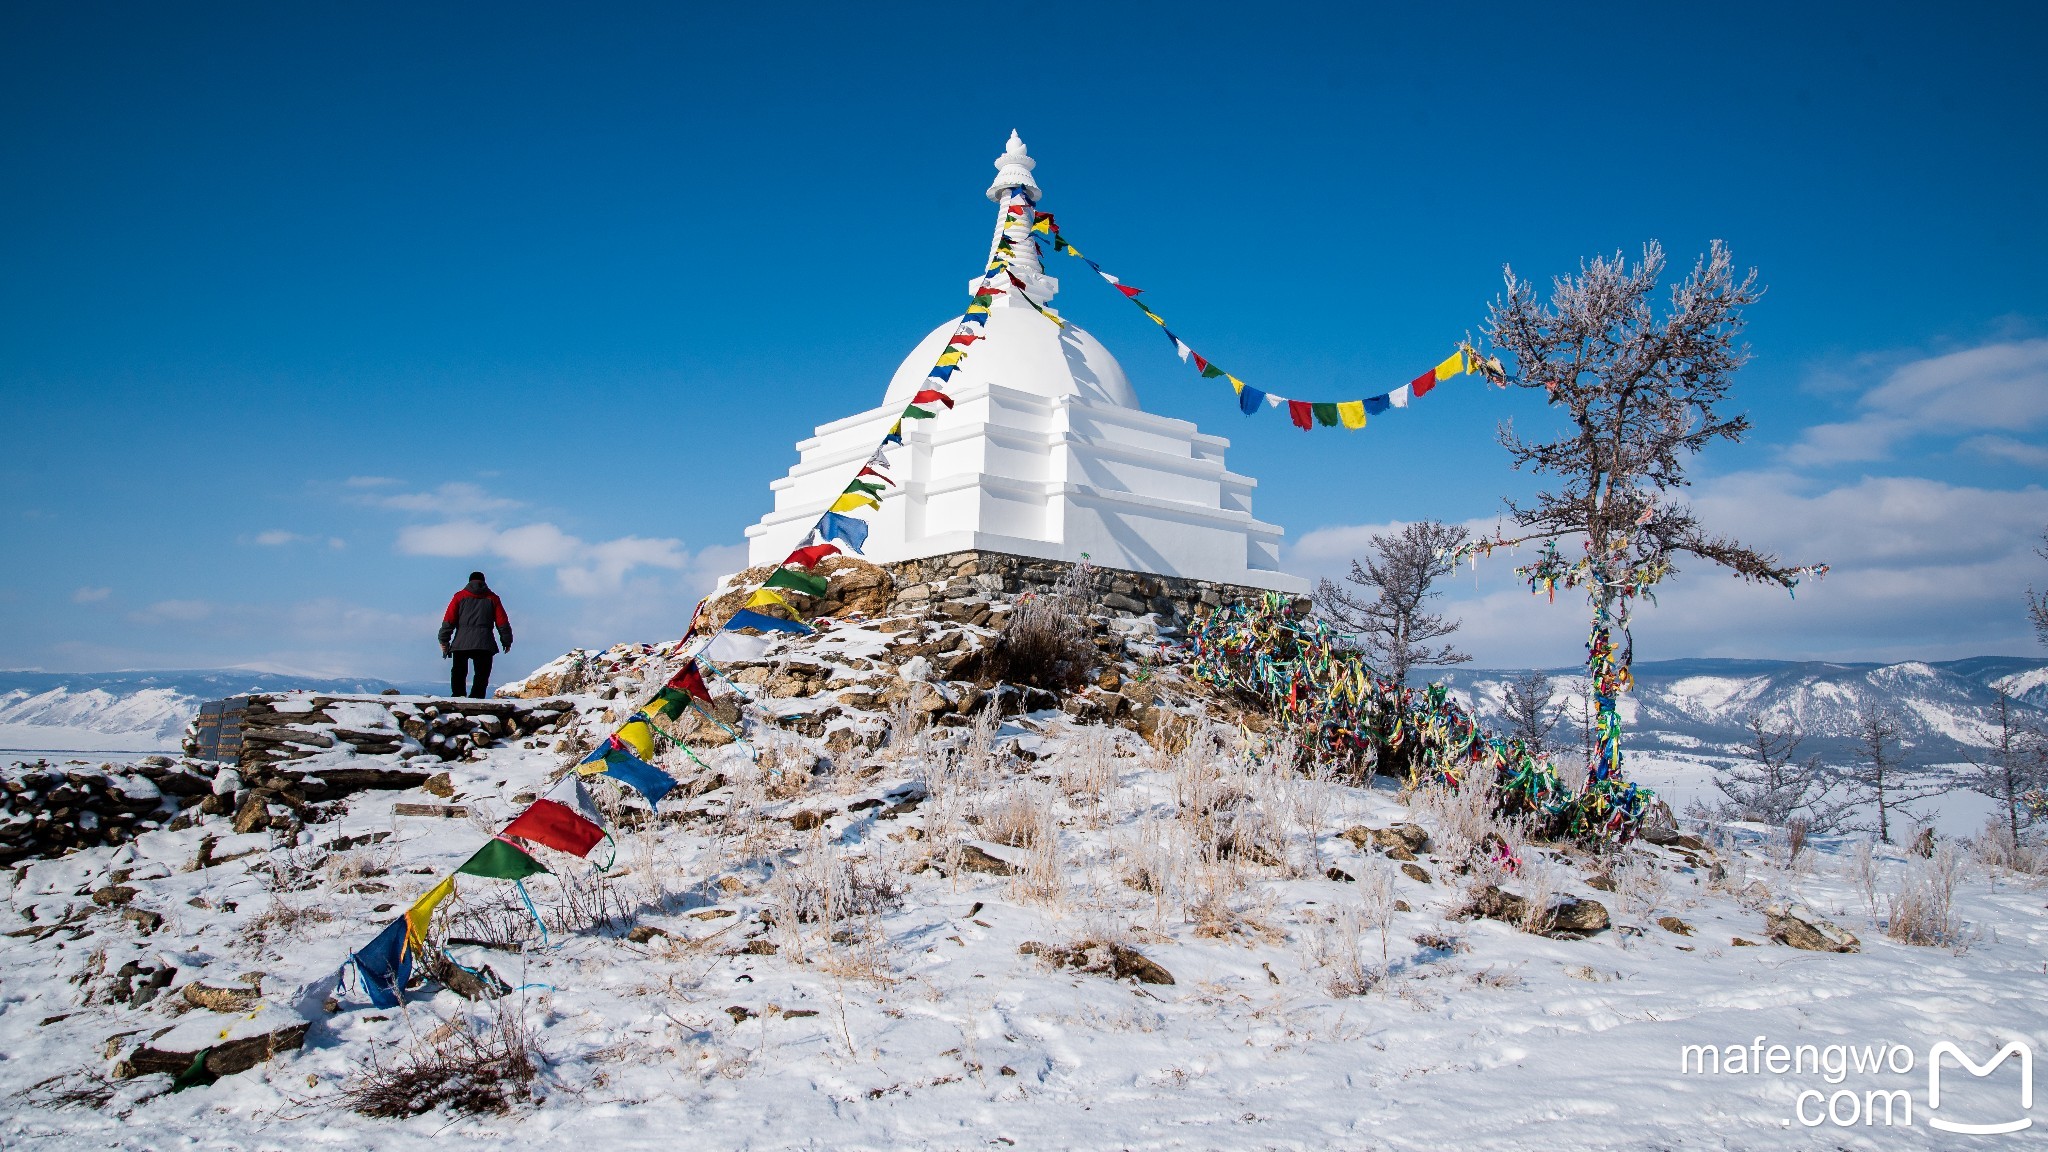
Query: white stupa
x=1045, y=454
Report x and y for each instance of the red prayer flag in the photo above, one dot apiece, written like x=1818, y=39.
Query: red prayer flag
x=869, y=471
x=929, y=395
x=556, y=825
x=1423, y=383
x=965, y=338
x=691, y=680
x=1302, y=413
x=806, y=557
x=1201, y=365
x=1015, y=209
x=1127, y=290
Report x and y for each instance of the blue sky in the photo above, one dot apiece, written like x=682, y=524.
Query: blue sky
x=292, y=289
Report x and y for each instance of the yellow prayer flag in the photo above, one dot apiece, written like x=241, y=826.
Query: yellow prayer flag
x=953, y=357
x=1351, y=413
x=639, y=734
x=854, y=502
x=1452, y=366
x=421, y=913
x=1235, y=384
x=972, y=309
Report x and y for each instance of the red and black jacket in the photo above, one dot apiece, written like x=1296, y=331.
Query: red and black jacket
x=466, y=625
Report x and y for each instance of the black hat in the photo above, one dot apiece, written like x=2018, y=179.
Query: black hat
x=476, y=575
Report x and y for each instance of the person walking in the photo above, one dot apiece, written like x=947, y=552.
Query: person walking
x=466, y=635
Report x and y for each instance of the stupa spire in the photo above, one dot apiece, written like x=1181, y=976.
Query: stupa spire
x=1015, y=192
x=1013, y=170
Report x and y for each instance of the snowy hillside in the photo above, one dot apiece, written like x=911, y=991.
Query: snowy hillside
x=128, y=711
x=1701, y=705
x=891, y=920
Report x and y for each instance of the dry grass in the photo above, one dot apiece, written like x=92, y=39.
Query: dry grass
x=467, y=1067
x=1089, y=774
x=1460, y=818
x=1640, y=886
x=1923, y=911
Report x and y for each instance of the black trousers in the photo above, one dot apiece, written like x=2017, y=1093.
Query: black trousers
x=479, y=689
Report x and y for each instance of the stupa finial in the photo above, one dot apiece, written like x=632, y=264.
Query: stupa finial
x=1013, y=170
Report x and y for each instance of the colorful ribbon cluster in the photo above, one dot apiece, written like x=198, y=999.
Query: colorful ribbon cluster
x=1305, y=414
x=564, y=819
x=1338, y=707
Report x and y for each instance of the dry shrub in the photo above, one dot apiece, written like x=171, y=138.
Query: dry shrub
x=1923, y=911
x=467, y=1067
x=1017, y=817
x=1338, y=947
x=1996, y=850
x=1640, y=886
x=1047, y=641
x=818, y=891
x=1088, y=773
x=1863, y=870
x=1461, y=818
x=286, y=918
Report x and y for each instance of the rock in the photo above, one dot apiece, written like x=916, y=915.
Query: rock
x=1674, y=924
x=973, y=859
x=1339, y=875
x=440, y=784
x=1799, y=928
x=113, y=896
x=1601, y=881
x=241, y=1046
x=808, y=819
x=1739, y=942
x=1415, y=872
x=1570, y=917
x=441, y=811
x=144, y=920
x=1923, y=844
x=254, y=813
x=1109, y=959
x=1401, y=842
x=217, y=999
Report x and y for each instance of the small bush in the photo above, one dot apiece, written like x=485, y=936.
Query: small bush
x=469, y=1068
x=1047, y=641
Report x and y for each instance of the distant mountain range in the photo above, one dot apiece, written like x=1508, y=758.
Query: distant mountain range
x=1678, y=705
x=1702, y=705
x=132, y=711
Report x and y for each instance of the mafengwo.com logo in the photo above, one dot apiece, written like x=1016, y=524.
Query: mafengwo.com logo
x=1856, y=1085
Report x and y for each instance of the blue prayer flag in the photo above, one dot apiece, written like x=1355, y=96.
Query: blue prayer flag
x=748, y=618
x=1374, y=405
x=838, y=526
x=1250, y=400
x=385, y=964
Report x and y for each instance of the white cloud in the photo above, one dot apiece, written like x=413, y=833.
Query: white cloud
x=454, y=499
x=277, y=538
x=89, y=595
x=2000, y=387
x=181, y=611
x=581, y=569
x=2007, y=448
x=1920, y=568
x=371, y=481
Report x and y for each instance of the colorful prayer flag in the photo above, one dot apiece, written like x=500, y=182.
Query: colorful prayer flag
x=1235, y=384
x=870, y=487
x=565, y=819
x=852, y=501
x=913, y=412
x=1200, y=363
x=1399, y=396
x=1301, y=413
x=808, y=557
x=1452, y=366
x=1326, y=414
x=620, y=764
x=385, y=965
x=1421, y=385
x=951, y=356
x=690, y=680
x=1352, y=414
x=802, y=582
x=932, y=396
x=1374, y=405
x=833, y=526
x=768, y=598
x=1249, y=400
x=637, y=732
x=421, y=914
x=748, y=618
x=500, y=859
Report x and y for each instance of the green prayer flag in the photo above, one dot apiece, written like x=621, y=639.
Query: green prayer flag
x=915, y=413
x=499, y=860
x=1213, y=371
x=1326, y=414
x=667, y=702
x=798, y=581
x=871, y=487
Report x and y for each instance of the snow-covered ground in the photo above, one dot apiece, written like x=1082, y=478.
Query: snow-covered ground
x=923, y=1026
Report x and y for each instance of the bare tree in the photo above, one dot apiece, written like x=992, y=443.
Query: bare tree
x=1525, y=706
x=1395, y=579
x=1772, y=785
x=1877, y=778
x=1640, y=394
x=2037, y=602
x=2015, y=770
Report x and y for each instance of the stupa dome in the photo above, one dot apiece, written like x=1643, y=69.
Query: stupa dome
x=1024, y=351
